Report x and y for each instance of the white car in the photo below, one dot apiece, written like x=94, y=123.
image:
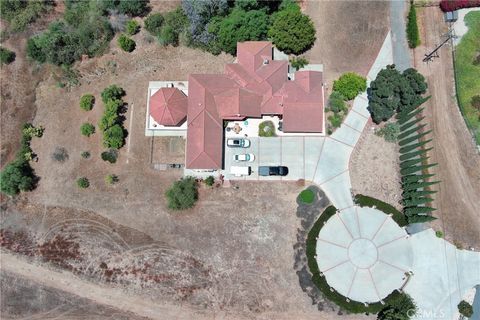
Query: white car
x=238, y=143
x=244, y=157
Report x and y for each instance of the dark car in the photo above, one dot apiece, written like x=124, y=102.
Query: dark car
x=272, y=171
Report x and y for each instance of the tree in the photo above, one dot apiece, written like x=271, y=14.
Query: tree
x=6, y=56
x=415, y=178
x=17, y=176
x=412, y=28
x=413, y=138
x=416, y=201
x=336, y=102
x=298, y=62
x=239, y=26
x=400, y=308
x=411, y=123
x=183, y=194
x=407, y=188
x=153, y=23
x=408, y=116
x=132, y=27
x=87, y=129
x=126, y=44
x=87, y=101
x=414, y=146
x=110, y=155
x=112, y=92
x=292, y=31
x=350, y=85
x=83, y=183
x=420, y=218
x=114, y=137
x=409, y=132
x=133, y=7
x=465, y=309
x=414, y=169
x=199, y=14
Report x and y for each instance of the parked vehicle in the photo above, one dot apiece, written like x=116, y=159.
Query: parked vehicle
x=272, y=171
x=238, y=143
x=240, y=171
x=244, y=157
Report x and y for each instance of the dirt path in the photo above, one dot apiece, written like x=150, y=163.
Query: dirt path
x=123, y=301
x=457, y=200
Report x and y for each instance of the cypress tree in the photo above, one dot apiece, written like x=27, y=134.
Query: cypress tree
x=406, y=117
x=419, y=185
x=416, y=201
x=410, y=131
x=420, y=218
x=413, y=138
x=418, y=210
x=410, y=124
x=407, y=109
x=414, y=154
x=414, y=178
x=409, y=163
x=414, y=146
x=419, y=193
x=413, y=169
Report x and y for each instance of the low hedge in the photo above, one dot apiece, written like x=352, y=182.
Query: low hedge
x=366, y=201
x=321, y=282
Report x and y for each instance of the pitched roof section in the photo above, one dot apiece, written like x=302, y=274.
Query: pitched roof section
x=168, y=106
x=254, y=86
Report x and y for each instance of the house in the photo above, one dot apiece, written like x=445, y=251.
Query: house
x=253, y=87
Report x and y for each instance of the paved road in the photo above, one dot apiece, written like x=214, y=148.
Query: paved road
x=401, y=52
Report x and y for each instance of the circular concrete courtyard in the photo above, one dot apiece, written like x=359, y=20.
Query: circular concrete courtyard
x=364, y=254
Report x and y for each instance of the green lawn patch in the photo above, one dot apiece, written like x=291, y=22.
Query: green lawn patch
x=365, y=201
x=266, y=129
x=467, y=73
x=306, y=196
x=321, y=282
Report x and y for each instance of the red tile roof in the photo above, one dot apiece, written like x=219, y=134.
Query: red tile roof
x=168, y=106
x=254, y=86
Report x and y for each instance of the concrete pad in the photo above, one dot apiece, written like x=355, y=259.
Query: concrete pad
x=371, y=222
x=385, y=277
x=336, y=233
x=269, y=153
x=349, y=219
x=390, y=232
x=356, y=121
x=333, y=161
x=293, y=157
x=363, y=288
x=389, y=253
x=346, y=135
x=333, y=255
x=312, y=151
x=338, y=190
x=360, y=104
x=341, y=277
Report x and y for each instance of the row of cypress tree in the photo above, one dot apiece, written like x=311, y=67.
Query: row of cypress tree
x=414, y=164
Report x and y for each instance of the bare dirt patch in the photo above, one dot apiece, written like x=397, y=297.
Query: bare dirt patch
x=458, y=167
x=349, y=35
x=374, y=168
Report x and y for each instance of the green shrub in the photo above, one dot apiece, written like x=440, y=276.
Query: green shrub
x=168, y=36
x=6, y=56
x=112, y=92
x=336, y=102
x=336, y=120
x=87, y=101
x=110, y=155
x=298, y=62
x=114, y=137
x=132, y=27
x=307, y=196
x=439, y=234
x=125, y=43
x=292, y=31
x=465, y=309
x=153, y=23
x=209, y=181
x=402, y=307
x=266, y=129
x=350, y=85
x=29, y=131
x=183, y=194
x=21, y=13
x=111, y=179
x=87, y=129
x=83, y=183
x=17, y=176
x=412, y=28
x=389, y=132
x=85, y=154
x=365, y=201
